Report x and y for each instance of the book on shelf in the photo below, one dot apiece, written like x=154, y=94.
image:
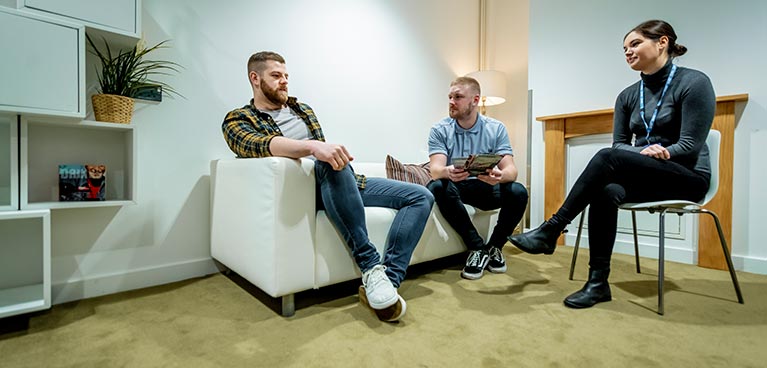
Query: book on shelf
x=477, y=164
x=82, y=182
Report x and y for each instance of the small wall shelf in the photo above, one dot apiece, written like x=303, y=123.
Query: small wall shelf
x=47, y=143
x=25, y=262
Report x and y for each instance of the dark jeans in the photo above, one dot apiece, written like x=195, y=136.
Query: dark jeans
x=344, y=204
x=451, y=196
x=614, y=177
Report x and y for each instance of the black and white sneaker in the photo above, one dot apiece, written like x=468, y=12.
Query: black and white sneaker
x=475, y=264
x=496, y=264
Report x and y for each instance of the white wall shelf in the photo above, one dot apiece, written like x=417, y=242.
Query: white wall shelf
x=25, y=262
x=47, y=143
x=78, y=204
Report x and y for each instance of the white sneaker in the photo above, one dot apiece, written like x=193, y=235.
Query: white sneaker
x=378, y=288
x=391, y=313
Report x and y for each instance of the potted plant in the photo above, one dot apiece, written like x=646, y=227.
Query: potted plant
x=122, y=74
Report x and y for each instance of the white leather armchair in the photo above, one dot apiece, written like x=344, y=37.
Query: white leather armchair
x=265, y=227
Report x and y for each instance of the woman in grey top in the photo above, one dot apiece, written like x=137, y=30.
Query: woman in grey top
x=667, y=114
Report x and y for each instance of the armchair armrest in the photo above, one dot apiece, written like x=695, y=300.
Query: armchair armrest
x=263, y=221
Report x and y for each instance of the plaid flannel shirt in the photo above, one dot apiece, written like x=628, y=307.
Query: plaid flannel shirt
x=248, y=131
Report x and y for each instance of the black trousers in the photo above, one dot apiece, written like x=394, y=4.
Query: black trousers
x=614, y=177
x=451, y=196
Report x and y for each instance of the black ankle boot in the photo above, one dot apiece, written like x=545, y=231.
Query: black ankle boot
x=541, y=240
x=595, y=291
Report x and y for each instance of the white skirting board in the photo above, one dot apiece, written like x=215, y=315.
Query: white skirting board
x=72, y=290
x=750, y=264
x=676, y=254
x=673, y=253
x=136, y=279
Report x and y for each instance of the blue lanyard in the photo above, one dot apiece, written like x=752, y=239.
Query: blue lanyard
x=648, y=127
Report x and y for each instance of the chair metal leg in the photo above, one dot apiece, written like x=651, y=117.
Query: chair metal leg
x=727, y=256
x=288, y=305
x=577, y=244
x=636, y=240
x=661, y=256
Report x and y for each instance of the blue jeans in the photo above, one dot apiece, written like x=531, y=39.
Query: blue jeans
x=511, y=198
x=344, y=204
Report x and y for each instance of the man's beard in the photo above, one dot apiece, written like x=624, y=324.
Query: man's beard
x=274, y=96
x=458, y=114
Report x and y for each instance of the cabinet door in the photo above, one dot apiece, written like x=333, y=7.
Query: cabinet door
x=41, y=66
x=119, y=14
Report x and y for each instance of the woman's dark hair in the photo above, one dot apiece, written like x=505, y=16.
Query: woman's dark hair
x=655, y=29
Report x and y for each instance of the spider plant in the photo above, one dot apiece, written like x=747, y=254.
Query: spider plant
x=124, y=72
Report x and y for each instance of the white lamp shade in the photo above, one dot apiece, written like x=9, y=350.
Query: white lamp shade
x=493, y=86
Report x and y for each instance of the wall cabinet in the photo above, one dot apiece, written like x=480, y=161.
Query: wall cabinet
x=43, y=71
x=25, y=262
x=115, y=16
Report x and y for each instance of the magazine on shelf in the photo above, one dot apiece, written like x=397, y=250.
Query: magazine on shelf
x=82, y=182
x=477, y=164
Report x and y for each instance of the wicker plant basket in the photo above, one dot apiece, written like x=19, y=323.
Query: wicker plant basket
x=112, y=108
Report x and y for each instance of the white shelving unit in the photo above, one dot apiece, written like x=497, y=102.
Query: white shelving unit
x=42, y=104
x=25, y=262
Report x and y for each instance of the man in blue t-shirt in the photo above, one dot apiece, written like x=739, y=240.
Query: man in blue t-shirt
x=467, y=132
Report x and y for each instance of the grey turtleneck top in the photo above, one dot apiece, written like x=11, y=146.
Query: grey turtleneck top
x=684, y=117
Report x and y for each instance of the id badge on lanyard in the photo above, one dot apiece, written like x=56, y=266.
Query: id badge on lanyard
x=648, y=127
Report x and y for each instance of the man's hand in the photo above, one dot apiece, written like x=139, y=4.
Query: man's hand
x=456, y=174
x=491, y=176
x=656, y=151
x=334, y=154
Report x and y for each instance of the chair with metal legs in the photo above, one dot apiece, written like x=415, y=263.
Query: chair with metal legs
x=679, y=207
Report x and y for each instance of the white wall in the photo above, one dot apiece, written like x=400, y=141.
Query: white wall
x=576, y=64
x=381, y=67
x=375, y=71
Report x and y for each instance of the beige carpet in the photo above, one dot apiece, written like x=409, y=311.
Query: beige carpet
x=509, y=320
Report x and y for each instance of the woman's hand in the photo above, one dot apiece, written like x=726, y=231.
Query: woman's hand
x=656, y=151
